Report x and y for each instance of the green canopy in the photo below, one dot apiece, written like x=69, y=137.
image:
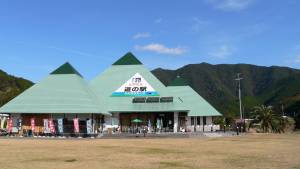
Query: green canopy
x=136, y=121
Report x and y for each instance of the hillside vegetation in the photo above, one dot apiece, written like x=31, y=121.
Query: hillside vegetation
x=11, y=86
x=274, y=85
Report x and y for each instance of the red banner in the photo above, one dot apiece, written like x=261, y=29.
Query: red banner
x=10, y=125
x=32, y=122
x=76, y=125
x=51, y=126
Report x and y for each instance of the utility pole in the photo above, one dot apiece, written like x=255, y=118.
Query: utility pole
x=240, y=95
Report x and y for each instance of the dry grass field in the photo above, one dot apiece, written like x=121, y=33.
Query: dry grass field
x=251, y=151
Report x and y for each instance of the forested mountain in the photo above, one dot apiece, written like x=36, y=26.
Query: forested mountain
x=276, y=86
x=11, y=86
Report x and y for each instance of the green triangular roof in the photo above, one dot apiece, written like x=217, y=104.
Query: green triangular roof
x=59, y=92
x=179, y=81
x=66, y=68
x=128, y=59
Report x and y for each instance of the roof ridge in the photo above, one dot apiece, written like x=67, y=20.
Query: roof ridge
x=66, y=68
x=128, y=59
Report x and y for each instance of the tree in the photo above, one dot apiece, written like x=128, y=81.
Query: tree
x=268, y=120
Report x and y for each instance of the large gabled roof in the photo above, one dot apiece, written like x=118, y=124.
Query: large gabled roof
x=59, y=92
x=65, y=91
x=185, y=98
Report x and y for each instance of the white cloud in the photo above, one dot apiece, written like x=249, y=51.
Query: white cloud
x=141, y=35
x=230, y=5
x=158, y=20
x=222, y=52
x=162, y=49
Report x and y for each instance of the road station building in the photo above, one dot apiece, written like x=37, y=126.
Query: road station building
x=123, y=98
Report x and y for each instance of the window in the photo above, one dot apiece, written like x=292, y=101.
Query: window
x=198, y=120
x=192, y=121
x=204, y=120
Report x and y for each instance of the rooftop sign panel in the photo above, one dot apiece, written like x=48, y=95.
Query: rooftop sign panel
x=135, y=86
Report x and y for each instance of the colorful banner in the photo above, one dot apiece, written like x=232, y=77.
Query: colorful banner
x=60, y=126
x=76, y=125
x=46, y=126
x=51, y=126
x=3, y=121
x=135, y=86
x=10, y=125
x=89, y=128
x=19, y=124
x=32, y=122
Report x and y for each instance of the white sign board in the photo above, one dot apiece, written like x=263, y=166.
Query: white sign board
x=135, y=86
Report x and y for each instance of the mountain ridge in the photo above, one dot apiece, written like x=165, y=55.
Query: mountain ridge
x=272, y=85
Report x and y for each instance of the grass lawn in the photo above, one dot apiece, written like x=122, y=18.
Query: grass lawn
x=251, y=151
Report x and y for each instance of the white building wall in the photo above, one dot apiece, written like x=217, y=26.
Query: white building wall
x=200, y=128
x=208, y=120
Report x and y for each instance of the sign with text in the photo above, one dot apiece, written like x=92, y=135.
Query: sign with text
x=51, y=126
x=46, y=126
x=89, y=129
x=60, y=125
x=135, y=86
x=10, y=125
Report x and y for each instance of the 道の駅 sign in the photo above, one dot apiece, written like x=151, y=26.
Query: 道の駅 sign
x=136, y=86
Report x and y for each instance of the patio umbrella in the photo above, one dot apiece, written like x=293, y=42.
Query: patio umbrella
x=136, y=121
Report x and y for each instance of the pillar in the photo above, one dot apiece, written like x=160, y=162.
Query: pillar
x=175, y=128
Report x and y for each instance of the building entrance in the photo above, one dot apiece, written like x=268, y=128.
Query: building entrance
x=153, y=122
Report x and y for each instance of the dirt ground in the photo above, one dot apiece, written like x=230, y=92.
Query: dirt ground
x=250, y=151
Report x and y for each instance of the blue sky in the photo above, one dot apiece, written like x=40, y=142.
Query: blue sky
x=38, y=36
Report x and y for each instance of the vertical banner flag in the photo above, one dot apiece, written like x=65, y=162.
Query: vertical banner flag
x=60, y=126
x=10, y=125
x=89, y=126
x=19, y=124
x=46, y=126
x=51, y=126
x=76, y=125
x=3, y=121
x=32, y=122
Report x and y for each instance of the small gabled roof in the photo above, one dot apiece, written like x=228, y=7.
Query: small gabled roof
x=196, y=104
x=63, y=91
x=128, y=59
x=66, y=68
x=179, y=81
